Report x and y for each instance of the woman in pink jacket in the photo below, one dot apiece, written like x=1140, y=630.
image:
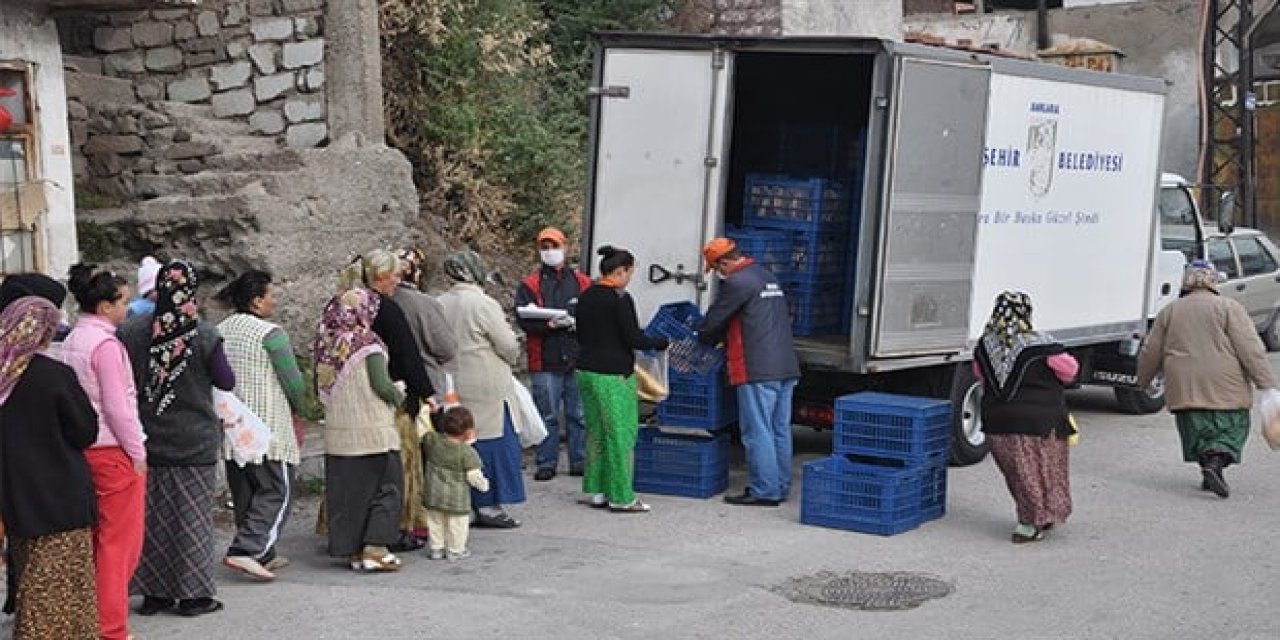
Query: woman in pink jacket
x=118, y=459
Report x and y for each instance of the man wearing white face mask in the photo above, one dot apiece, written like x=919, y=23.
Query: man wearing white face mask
x=553, y=352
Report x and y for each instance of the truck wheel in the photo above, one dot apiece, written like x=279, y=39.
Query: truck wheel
x=968, y=442
x=1141, y=401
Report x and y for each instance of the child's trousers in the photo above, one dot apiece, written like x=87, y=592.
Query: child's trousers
x=448, y=530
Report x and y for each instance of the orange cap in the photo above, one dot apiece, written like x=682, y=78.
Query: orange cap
x=717, y=249
x=553, y=234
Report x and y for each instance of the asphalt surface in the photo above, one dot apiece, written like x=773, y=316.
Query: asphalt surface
x=1145, y=555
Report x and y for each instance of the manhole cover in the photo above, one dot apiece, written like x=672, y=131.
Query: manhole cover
x=889, y=591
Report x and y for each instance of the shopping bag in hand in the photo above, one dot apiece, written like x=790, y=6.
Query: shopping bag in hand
x=246, y=433
x=530, y=427
x=652, y=383
x=1269, y=405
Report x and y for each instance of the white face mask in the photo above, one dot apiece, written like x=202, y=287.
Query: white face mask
x=552, y=257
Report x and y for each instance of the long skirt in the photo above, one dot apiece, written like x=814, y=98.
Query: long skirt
x=611, y=414
x=57, y=598
x=501, y=460
x=177, y=554
x=363, y=496
x=1038, y=473
x=1207, y=431
x=413, y=515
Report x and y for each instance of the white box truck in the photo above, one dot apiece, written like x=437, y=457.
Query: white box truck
x=973, y=174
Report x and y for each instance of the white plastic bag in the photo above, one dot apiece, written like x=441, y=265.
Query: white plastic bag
x=652, y=381
x=246, y=433
x=1269, y=405
x=528, y=420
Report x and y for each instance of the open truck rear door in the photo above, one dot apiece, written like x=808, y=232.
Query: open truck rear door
x=928, y=236
x=659, y=122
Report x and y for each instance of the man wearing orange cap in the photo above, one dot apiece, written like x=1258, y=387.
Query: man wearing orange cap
x=750, y=316
x=553, y=353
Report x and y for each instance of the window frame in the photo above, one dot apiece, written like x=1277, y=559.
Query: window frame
x=1262, y=249
x=19, y=218
x=1235, y=259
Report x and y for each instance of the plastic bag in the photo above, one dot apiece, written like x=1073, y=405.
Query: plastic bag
x=1269, y=405
x=246, y=433
x=528, y=420
x=652, y=382
x=1074, y=438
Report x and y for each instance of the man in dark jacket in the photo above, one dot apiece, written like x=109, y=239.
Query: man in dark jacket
x=553, y=352
x=750, y=316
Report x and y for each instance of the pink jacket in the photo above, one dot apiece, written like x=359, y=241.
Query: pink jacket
x=102, y=365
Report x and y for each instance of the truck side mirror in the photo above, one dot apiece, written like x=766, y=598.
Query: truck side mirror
x=1227, y=212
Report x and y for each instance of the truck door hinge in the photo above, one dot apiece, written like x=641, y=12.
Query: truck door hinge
x=612, y=91
x=710, y=162
x=882, y=102
x=717, y=59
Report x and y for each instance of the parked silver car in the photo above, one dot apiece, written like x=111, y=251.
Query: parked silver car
x=1249, y=264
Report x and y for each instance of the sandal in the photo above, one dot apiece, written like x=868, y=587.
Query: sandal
x=502, y=520
x=377, y=562
x=635, y=507
x=1020, y=538
x=595, y=502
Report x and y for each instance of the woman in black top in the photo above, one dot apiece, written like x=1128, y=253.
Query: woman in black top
x=608, y=334
x=46, y=493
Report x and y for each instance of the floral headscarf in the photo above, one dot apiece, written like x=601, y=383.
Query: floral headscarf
x=173, y=332
x=26, y=326
x=344, y=337
x=1009, y=332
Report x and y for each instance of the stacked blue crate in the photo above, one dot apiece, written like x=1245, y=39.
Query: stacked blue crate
x=700, y=396
x=888, y=473
x=681, y=465
x=772, y=248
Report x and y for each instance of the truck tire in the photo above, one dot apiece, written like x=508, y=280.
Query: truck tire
x=1139, y=401
x=968, y=442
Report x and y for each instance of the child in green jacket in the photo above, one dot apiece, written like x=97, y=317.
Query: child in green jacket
x=452, y=466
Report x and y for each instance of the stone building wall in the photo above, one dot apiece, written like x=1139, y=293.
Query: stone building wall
x=257, y=61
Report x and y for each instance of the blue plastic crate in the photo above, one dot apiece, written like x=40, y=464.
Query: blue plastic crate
x=772, y=248
x=892, y=426
x=816, y=305
x=704, y=401
x=869, y=498
x=804, y=204
x=681, y=465
x=933, y=491
x=819, y=255
x=676, y=322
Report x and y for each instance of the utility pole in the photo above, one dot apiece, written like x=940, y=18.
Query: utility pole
x=1227, y=159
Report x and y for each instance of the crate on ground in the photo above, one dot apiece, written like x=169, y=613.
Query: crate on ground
x=804, y=204
x=681, y=465
x=869, y=498
x=772, y=248
x=892, y=426
x=816, y=305
x=702, y=400
x=677, y=322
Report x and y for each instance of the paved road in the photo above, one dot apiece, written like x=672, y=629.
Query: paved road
x=1146, y=555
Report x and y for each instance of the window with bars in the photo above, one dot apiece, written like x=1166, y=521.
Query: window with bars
x=21, y=196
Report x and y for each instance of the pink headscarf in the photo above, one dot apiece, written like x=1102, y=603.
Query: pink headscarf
x=345, y=337
x=26, y=327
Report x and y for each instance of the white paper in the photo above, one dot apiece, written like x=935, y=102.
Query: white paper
x=534, y=312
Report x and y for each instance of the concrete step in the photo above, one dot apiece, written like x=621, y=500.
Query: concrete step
x=94, y=89
x=205, y=183
x=233, y=136
x=274, y=160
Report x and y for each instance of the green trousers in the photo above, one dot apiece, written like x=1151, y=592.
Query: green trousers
x=1206, y=431
x=612, y=418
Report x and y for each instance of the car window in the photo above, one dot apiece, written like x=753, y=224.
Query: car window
x=1223, y=257
x=1254, y=257
x=1176, y=207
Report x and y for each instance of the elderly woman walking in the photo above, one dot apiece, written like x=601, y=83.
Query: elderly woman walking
x=487, y=349
x=270, y=384
x=364, y=478
x=1211, y=357
x=1024, y=414
x=118, y=459
x=47, y=497
x=177, y=361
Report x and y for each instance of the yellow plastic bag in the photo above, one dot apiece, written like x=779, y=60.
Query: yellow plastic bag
x=1074, y=438
x=651, y=376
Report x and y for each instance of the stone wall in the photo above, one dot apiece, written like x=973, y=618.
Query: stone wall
x=257, y=61
x=732, y=17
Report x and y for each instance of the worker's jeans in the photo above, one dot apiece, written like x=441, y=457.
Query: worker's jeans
x=551, y=391
x=764, y=417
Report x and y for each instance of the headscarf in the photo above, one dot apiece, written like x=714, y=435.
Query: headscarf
x=173, y=332
x=466, y=266
x=1200, y=274
x=31, y=284
x=411, y=266
x=26, y=326
x=1009, y=333
x=344, y=337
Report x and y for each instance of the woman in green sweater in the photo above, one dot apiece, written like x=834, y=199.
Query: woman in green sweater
x=608, y=335
x=363, y=476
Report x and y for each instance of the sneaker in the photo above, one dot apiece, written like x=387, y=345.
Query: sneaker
x=198, y=606
x=151, y=605
x=249, y=567
x=460, y=555
x=276, y=563
x=577, y=472
x=544, y=474
x=749, y=500
x=436, y=554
